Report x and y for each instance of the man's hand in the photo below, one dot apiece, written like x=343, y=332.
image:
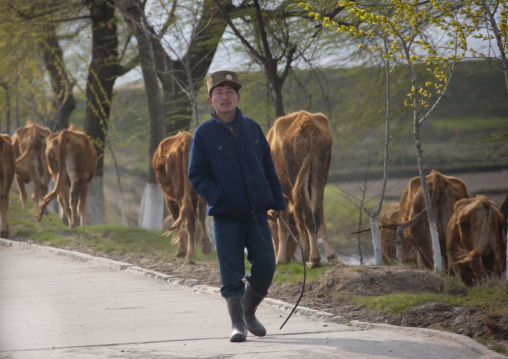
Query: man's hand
x=276, y=213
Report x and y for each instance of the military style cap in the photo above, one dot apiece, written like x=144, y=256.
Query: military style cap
x=223, y=78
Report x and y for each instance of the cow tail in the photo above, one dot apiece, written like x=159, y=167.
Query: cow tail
x=9, y=154
x=483, y=242
x=158, y=163
x=24, y=154
x=186, y=220
x=57, y=143
x=301, y=194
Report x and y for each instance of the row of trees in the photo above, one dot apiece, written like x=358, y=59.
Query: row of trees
x=49, y=45
x=174, y=50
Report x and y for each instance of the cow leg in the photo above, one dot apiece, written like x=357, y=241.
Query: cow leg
x=74, y=199
x=323, y=233
x=4, y=227
x=479, y=272
x=464, y=273
x=311, y=221
x=494, y=257
x=22, y=191
x=43, y=175
x=498, y=259
x=181, y=250
x=290, y=249
x=191, y=246
x=291, y=244
x=43, y=191
x=315, y=257
x=173, y=208
x=283, y=238
x=64, y=209
x=204, y=239
x=36, y=196
x=274, y=230
x=63, y=201
x=178, y=236
x=201, y=233
x=82, y=204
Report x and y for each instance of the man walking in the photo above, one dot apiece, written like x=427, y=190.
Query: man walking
x=231, y=167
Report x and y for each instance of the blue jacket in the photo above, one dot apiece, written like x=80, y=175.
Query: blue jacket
x=234, y=172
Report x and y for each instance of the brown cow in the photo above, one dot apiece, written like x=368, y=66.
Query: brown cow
x=389, y=230
x=387, y=235
x=301, y=145
x=31, y=166
x=475, y=240
x=187, y=210
x=72, y=159
x=444, y=192
x=7, y=169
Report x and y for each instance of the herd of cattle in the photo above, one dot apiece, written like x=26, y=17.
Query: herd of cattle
x=35, y=154
x=471, y=230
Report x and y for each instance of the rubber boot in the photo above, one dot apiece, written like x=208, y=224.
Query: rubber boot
x=251, y=301
x=236, y=312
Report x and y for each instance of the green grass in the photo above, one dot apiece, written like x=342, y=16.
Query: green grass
x=116, y=239
x=487, y=296
x=112, y=239
x=293, y=272
x=468, y=124
x=402, y=303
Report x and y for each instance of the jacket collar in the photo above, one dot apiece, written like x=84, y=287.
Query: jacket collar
x=239, y=115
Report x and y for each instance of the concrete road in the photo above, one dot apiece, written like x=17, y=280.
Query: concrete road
x=62, y=304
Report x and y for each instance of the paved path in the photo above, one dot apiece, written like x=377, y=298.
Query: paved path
x=62, y=304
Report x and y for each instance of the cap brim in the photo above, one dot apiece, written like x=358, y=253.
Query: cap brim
x=234, y=85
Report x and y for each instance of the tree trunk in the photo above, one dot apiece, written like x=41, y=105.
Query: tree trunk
x=5, y=85
x=182, y=79
x=264, y=57
x=376, y=241
x=62, y=87
x=152, y=204
x=499, y=41
x=103, y=72
x=275, y=85
x=376, y=236
x=436, y=248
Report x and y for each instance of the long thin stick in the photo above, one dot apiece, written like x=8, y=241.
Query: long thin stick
x=304, y=272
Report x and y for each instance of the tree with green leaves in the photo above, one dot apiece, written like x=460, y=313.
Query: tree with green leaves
x=185, y=46
x=151, y=213
x=485, y=21
x=37, y=23
x=275, y=36
x=105, y=67
x=180, y=78
x=401, y=33
x=475, y=22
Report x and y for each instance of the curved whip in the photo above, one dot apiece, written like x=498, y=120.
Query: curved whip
x=304, y=272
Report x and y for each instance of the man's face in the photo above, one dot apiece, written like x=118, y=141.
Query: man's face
x=224, y=99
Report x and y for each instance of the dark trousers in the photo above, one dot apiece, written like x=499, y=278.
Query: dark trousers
x=232, y=237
